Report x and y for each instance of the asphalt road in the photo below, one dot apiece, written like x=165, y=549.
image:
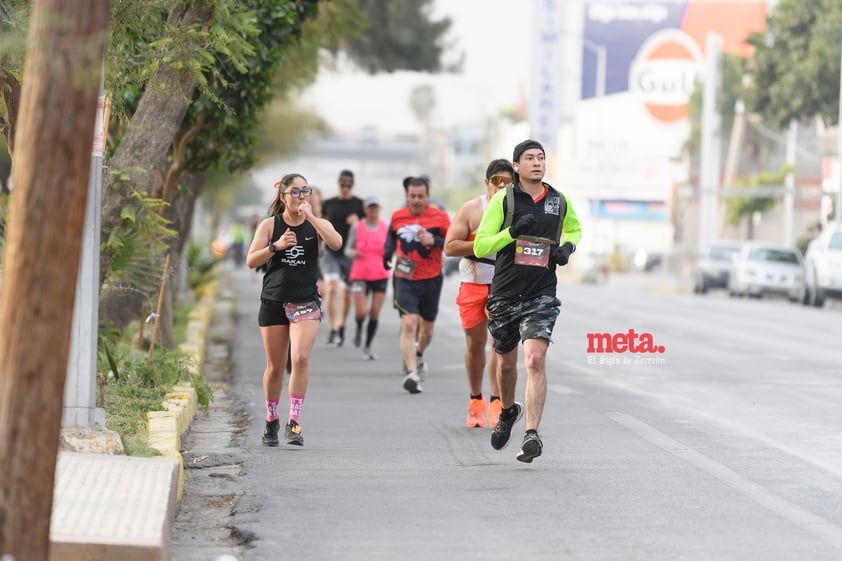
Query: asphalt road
x=725, y=446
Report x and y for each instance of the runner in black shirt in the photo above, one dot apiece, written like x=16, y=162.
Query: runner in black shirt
x=290, y=307
x=342, y=211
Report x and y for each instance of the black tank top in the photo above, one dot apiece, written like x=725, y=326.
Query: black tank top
x=291, y=273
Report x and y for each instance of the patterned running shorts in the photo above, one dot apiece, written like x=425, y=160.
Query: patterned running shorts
x=511, y=321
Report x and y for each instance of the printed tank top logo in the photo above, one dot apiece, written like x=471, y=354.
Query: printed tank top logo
x=292, y=255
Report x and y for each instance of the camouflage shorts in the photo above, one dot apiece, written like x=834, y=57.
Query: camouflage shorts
x=510, y=322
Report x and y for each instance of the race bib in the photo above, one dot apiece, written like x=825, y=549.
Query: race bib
x=404, y=267
x=532, y=254
x=300, y=312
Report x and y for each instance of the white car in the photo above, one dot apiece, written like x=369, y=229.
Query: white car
x=762, y=268
x=713, y=269
x=823, y=266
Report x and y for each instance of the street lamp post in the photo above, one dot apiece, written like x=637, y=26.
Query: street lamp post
x=837, y=209
x=601, y=58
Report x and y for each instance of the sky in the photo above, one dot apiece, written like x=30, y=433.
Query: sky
x=495, y=72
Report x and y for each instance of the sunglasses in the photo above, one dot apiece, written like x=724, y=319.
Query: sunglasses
x=499, y=180
x=307, y=191
x=347, y=185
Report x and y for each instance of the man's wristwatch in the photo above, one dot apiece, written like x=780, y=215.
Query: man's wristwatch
x=272, y=248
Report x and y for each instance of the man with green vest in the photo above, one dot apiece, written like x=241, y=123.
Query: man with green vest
x=533, y=229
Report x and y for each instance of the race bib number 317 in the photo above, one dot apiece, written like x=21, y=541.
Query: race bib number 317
x=532, y=254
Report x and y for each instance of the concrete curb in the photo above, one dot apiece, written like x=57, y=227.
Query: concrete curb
x=181, y=404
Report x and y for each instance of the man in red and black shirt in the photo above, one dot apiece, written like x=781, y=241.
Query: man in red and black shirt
x=416, y=238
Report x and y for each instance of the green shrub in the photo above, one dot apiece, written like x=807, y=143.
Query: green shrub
x=137, y=383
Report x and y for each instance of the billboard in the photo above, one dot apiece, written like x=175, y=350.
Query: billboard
x=640, y=62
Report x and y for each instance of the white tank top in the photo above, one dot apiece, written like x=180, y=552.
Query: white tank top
x=473, y=271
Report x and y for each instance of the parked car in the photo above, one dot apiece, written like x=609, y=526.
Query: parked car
x=713, y=269
x=646, y=261
x=762, y=268
x=823, y=267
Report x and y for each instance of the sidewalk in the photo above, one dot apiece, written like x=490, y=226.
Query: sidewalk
x=108, y=506
x=112, y=507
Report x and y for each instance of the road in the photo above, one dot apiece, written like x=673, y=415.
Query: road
x=725, y=446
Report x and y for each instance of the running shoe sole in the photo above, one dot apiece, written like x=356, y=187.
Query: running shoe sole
x=530, y=450
x=294, y=438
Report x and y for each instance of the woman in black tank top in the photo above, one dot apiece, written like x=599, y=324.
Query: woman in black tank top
x=290, y=307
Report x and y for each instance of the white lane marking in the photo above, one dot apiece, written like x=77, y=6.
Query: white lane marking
x=806, y=520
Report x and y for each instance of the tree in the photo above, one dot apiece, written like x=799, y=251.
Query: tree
x=215, y=130
x=795, y=67
x=400, y=36
x=156, y=121
x=738, y=209
x=52, y=166
x=220, y=129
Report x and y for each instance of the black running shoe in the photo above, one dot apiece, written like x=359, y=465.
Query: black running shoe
x=531, y=447
x=340, y=336
x=292, y=433
x=412, y=383
x=502, y=433
x=358, y=338
x=270, y=435
x=331, y=339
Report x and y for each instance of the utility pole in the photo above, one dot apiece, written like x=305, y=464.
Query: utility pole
x=50, y=170
x=710, y=158
x=601, y=53
x=837, y=208
x=789, y=181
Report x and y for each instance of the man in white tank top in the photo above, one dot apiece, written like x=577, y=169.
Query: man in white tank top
x=475, y=276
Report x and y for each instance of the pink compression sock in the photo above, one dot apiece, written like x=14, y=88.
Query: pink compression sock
x=296, y=402
x=272, y=408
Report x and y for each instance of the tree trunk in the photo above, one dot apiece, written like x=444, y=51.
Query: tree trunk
x=149, y=135
x=43, y=245
x=181, y=214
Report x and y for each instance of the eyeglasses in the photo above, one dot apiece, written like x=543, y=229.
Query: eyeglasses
x=347, y=185
x=499, y=180
x=307, y=191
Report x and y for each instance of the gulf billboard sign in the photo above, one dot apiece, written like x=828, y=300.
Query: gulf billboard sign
x=664, y=72
x=654, y=50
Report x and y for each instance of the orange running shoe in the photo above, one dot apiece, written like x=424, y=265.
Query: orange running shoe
x=494, y=409
x=476, y=413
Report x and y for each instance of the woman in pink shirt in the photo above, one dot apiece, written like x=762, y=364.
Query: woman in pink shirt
x=366, y=246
